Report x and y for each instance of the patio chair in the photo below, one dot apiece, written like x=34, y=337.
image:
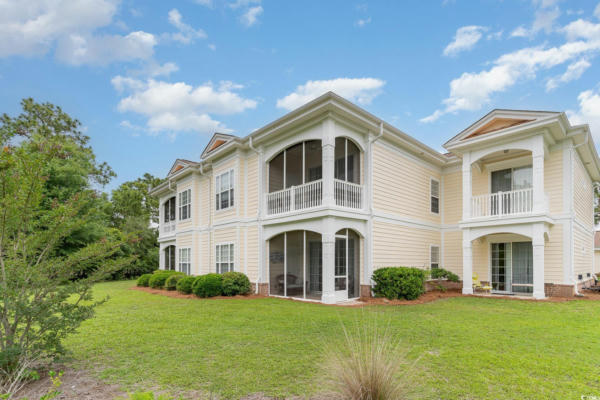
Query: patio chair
x=477, y=285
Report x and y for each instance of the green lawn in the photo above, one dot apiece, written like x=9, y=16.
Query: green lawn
x=469, y=348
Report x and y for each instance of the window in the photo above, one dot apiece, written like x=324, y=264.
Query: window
x=184, y=260
x=347, y=160
x=435, y=196
x=169, y=210
x=224, y=190
x=434, y=257
x=170, y=258
x=185, y=204
x=224, y=258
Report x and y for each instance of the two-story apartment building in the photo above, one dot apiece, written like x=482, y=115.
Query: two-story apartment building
x=310, y=204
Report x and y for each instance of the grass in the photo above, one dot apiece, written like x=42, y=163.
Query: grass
x=471, y=348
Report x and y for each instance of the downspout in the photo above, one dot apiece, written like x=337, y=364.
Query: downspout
x=260, y=210
x=372, y=140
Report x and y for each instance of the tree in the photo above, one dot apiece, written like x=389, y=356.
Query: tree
x=42, y=299
x=133, y=211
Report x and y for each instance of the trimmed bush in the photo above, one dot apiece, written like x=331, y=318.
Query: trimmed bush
x=441, y=273
x=235, y=283
x=144, y=280
x=158, y=279
x=208, y=285
x=171, y=282
x=399, y=282
x=184, y=285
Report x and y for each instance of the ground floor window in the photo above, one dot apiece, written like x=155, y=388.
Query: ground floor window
x=296, y=265
x=224, y=258
x=169, y=256
x=185, y=260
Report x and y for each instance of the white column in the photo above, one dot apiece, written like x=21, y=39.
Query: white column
x=328, y=243
x=467, y=263
x=538, y=261
x=466, y=186
x=539, y=201
x=328, y=152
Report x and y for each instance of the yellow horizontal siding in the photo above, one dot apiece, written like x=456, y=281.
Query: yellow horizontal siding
x=452, y=252
x=253, y=190
x=553, y=255
x=452, y=197
x=583, y=190
x=583, y=251
x=553, y=181
x=397, y=245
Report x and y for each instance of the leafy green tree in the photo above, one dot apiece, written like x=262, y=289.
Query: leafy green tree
x=131, y=199
x=41, y=298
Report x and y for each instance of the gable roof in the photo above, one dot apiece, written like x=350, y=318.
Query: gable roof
x=218, y=140
x=497, y=120
x=179, y=164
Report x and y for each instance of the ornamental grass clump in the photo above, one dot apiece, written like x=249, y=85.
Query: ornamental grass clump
x=368, y=363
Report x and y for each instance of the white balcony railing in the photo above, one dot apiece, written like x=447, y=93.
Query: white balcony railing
x=502, y=203
x=168, y=227
x=348, y=194
x=295, y=198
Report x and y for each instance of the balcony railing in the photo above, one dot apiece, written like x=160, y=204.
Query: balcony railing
x=500, y=204
x=348, y=194
x=295, y=198
x=168, y=227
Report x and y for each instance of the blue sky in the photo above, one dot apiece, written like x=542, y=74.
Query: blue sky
x=151, y=81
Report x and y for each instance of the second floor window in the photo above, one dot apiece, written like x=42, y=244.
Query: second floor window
x=434, y=257
x=435, y=196
x=185, y=260
x=185, y=204
x=224, y=258
x=169, y=210
x=224, y=190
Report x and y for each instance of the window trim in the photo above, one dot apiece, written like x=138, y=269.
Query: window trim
x=232, y=190
x=231, y=261
x=431, y=196
x=180, y=261
x=439, y=254
x=187, y=205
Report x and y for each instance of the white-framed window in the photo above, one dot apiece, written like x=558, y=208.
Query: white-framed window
x=435, y=195
x=185, y=204
x=224, y=190
x=434, y=256
x=224, y=257
x=185, y=263
x=169, y=210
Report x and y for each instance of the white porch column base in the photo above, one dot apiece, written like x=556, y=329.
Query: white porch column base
x=467, y=263
x=538, y=262
x=328, y=243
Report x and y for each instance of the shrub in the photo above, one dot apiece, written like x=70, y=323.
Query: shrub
x=441, y=273
x=208, y=285
x=171, y=282
x=399, y=282
x=368, y=363
x=159, y=278
x=144, y=280
x=235, y=283
x=184, y=285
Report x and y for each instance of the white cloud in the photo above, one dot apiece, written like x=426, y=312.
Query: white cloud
x=35, y=27
x=212, y=46
x=243, y=3
x=545, y=17
x=363, y=21
x=573, y=72
x=465, y=38
x=186, y=33
x=588, y=113
x=471, y=90
x=205, y=3
x=597, y=11
x=179, y=107
x=101, y=50
x=360, y=90
x=519, y=32
x=495, y=35
x=250, y=17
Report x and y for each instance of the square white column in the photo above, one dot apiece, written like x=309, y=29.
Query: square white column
x=328, y=276
x=467, y=263
x=538, y=244
x=328, y=167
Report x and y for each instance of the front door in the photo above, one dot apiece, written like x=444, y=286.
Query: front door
x=341, y=268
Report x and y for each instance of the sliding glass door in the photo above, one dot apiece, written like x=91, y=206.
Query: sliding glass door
x=512, y=267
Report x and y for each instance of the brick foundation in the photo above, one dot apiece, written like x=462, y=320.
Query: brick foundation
x=365, y=291
x=558, y=290
x=263, y=288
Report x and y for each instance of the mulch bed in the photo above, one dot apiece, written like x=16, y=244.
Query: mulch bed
x=175, y=294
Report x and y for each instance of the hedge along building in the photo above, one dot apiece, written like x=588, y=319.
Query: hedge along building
x=310, y=204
